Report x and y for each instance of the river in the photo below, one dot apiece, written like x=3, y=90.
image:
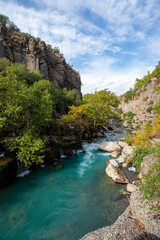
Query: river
x=62, y=204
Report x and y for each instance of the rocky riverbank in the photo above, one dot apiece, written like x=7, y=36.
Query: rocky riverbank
x=139, y=221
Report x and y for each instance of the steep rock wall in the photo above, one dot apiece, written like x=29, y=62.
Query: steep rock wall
x=37, y=56
x=145, y=97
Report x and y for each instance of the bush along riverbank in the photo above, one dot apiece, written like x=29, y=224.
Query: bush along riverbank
x=141, y=220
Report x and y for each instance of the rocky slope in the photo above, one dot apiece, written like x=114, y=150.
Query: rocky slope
x=34, y=53
x=146, y=97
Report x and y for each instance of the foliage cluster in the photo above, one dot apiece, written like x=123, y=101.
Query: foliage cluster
x=95, y=110
x=139, y=153
x=141, y=82
x=129, y=116
x=27, y=105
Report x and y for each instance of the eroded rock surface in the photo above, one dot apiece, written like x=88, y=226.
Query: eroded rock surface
x=141, y=210
x=145, y=97
x=37, y=56
x=148, y=161
x=123, y=229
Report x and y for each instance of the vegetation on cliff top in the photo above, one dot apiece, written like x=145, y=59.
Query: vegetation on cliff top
x=141, y=82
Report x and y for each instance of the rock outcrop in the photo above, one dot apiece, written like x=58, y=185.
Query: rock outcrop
x=148, y=161
x=8, y=170
x=145, y=97
x=115, y=172
x=123, y=229
x=35, y=54
x=141, y=210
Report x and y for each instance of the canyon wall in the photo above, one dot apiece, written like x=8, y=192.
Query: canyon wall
x=142, y=103
x=35, y=54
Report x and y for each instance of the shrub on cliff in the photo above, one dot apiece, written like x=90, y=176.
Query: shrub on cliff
x=9, y=24
x=141, y=82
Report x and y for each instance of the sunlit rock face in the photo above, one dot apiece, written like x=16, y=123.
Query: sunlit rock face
x=35, y=54
x=146, y=97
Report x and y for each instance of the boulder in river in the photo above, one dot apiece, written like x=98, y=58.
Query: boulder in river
x=121, y=161
x=109, y=146
x=115, y=172
x=115, y=154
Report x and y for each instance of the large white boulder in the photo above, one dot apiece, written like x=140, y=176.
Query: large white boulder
x=115, y=172
x=109, y=147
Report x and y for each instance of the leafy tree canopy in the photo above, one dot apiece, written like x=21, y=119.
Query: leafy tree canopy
x=27, y=105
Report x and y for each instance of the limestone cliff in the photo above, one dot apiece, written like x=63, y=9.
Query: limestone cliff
x=142, y=103
x=37, y=56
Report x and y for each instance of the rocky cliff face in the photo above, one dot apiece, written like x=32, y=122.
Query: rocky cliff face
x=37, y=56
x=141, y=104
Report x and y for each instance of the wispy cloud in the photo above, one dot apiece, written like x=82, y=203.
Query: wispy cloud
x=106, y=33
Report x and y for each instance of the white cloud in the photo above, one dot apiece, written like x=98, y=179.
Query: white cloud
x=124, y=24
x=100, y=74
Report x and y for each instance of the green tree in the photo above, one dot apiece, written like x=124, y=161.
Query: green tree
x=26, y=110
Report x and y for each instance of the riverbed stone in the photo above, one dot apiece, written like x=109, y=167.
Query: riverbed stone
x=115, y=154
x=115, y=172
x=109, y=146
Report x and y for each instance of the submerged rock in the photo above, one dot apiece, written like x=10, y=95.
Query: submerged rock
x=109, y=147
x=115, y=172
x=59, y=166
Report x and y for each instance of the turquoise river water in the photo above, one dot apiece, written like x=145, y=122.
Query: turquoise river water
x=63, y=204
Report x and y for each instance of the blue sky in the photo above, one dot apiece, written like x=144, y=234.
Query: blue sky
x=110, y=42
